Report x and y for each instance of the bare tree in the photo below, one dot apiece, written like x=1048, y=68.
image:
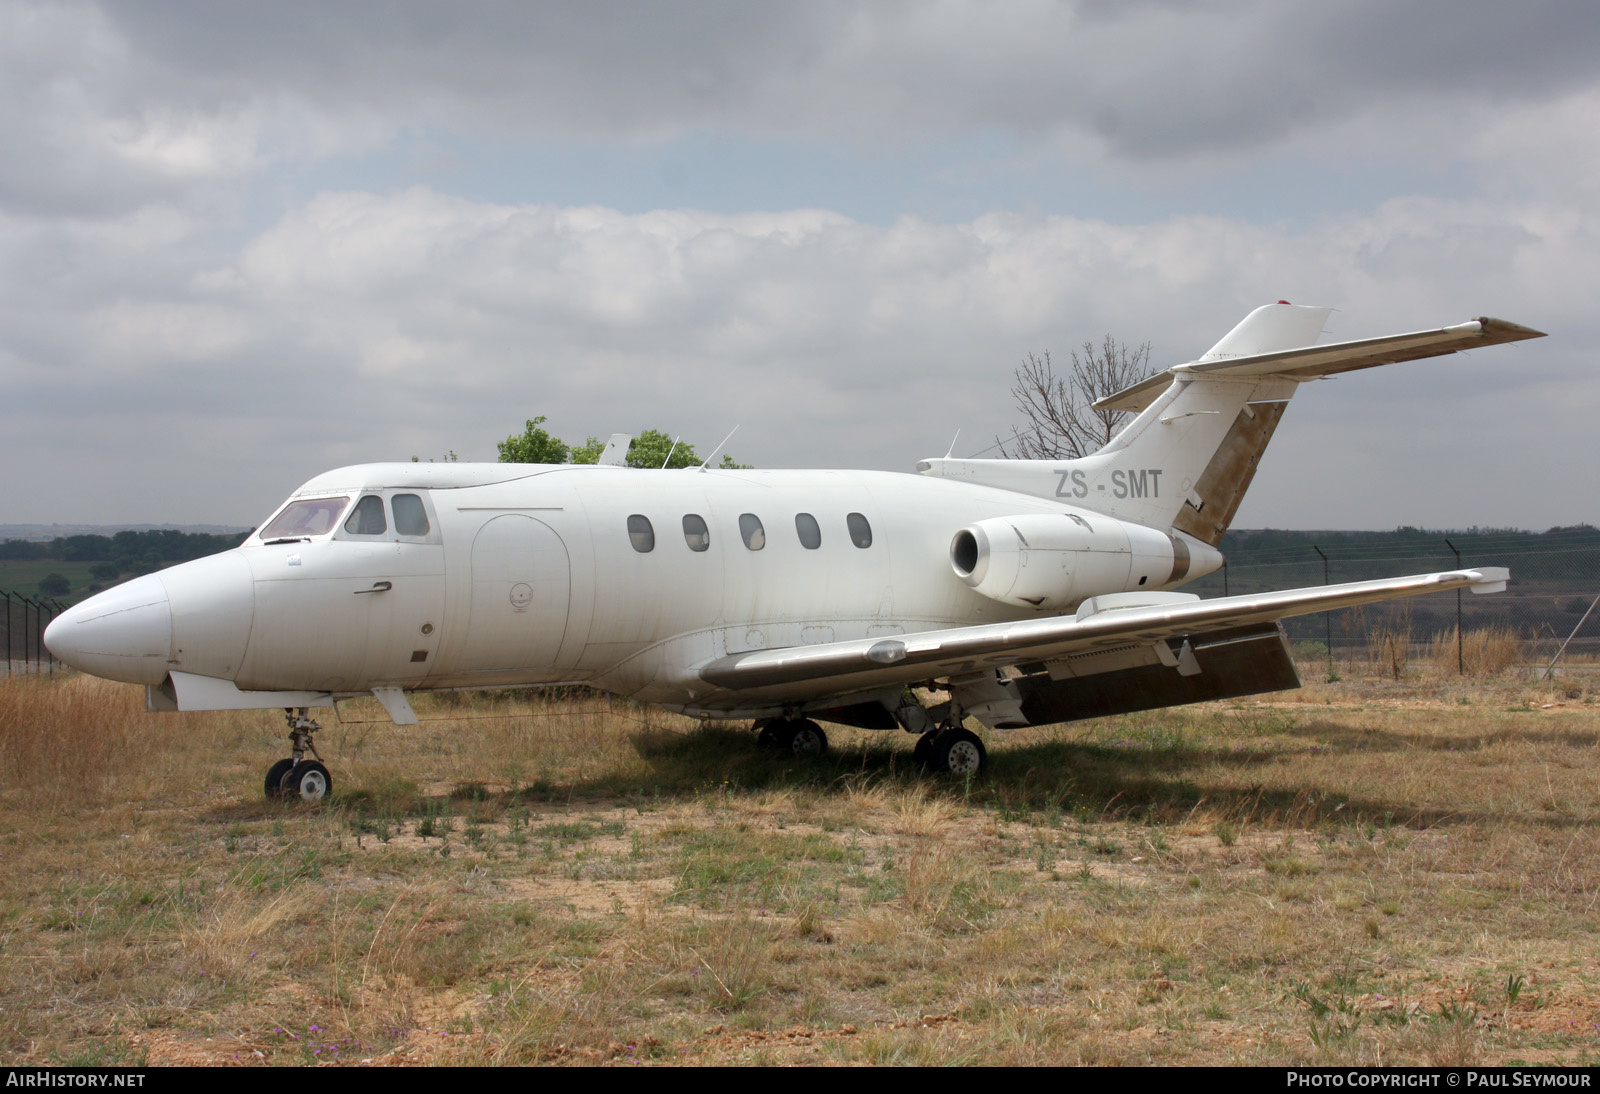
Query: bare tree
x=1059, y=418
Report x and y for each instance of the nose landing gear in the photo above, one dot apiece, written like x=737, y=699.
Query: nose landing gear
x=298, y=777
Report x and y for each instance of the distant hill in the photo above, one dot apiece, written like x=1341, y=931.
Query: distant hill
x=44, y=533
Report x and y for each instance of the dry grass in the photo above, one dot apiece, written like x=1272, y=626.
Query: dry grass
x=1486, y=652
x=1373, y=870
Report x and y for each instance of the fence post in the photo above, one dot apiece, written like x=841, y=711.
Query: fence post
x=1461, y=661
x=53, y=608
x=27, y=632
x=1327, y=618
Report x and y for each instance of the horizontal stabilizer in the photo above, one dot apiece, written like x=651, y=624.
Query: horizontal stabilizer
x=1316, y=362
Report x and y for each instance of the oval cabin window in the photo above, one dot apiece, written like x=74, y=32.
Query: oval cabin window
x=860, y=530
x=695, y=532
x=809, y=531
x=755, y=536
x=641, y=535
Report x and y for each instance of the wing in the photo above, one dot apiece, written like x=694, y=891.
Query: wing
x=1119, y=631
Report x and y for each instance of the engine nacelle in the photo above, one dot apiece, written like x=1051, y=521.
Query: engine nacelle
x=1054, y=561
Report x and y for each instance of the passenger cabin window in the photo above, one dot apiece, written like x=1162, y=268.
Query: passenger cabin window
x=641, y=535
x=809, y=531
x=366, y=519
x=312, y=517
x=755, y=536
x=695, y=532
x=860, y=530
x=410, y=516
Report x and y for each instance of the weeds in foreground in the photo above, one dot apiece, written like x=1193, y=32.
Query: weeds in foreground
x=551, y=882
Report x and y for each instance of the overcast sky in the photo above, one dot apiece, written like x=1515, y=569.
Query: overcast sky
x=243, y=244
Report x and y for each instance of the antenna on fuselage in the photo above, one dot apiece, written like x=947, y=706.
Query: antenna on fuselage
x=717, y=449
x=670, y=451
x=953, y=441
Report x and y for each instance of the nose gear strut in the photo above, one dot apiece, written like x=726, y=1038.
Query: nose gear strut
x=298, y=777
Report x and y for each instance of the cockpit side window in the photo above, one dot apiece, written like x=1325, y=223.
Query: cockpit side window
x=366, y=519
x=410, y=515
x=311, y=517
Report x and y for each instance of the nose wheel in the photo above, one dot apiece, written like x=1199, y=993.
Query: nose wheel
x=298, y=777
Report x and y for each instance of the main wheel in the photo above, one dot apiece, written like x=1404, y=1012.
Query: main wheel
x=807, y=739
x=959, y=752
x=309, y=781
x=922, y=751
x=275, y=777
x=774, y=734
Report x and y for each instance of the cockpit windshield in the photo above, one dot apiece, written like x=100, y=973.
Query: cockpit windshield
x=311, y=517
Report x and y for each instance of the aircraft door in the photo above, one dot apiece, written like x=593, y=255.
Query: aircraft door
x=521, y=594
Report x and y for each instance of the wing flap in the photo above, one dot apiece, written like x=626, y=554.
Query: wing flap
x=1316, y=362
x=797, y=670
x=1226, y=666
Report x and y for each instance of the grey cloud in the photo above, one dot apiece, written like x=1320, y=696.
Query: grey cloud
x=362, y=327
x=1151, y=81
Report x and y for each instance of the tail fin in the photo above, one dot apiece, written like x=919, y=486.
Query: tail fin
x=1186, y=460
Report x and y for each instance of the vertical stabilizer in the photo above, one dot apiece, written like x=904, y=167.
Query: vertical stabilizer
x=1200, y=429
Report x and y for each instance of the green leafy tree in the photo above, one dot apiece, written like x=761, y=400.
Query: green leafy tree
x=651, y=448
x=55, y=585
x=534, y=445
x=589, y=451
x=104, y=571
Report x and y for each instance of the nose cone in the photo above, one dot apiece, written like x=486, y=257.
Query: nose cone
x=213, y=603
x=124, y=633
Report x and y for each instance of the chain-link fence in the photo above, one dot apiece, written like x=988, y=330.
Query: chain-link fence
x=1555, y=580
x=22, y=621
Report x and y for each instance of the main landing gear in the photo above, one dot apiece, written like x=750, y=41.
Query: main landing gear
x=951, y=750
x=943, y=747
x=791, y=736
x=298, y=777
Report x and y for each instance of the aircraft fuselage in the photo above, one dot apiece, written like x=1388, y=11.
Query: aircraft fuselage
x=622, y=578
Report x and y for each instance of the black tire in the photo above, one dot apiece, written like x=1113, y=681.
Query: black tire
x=308, y=781
x=774, y=734
x=922, y=752
x=275, y=776
x=807, y=739
x=959, y=752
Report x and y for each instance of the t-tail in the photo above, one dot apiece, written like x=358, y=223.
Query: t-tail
x=1189, y=454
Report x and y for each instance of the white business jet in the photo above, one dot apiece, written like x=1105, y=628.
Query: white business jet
x=1028, y=591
